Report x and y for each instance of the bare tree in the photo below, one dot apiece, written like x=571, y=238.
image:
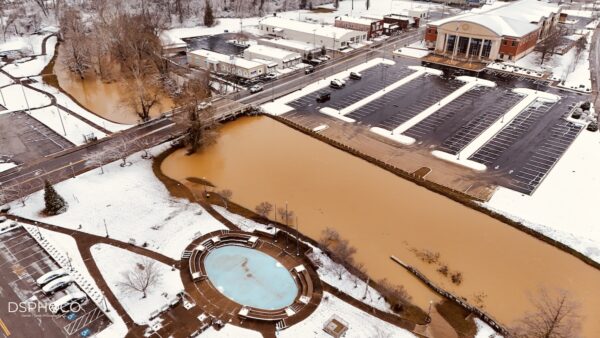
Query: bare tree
x=197, y=116
x=547, y=47
x=99, y=159
x=286, y=215
x=225, y=195
x=144, y=144
x=329, y=236
x=343, y=253
x=396, y=295
x=78, y=58
x=360, y=272
x=263, y=209
x=144, y=276
x=555, y=315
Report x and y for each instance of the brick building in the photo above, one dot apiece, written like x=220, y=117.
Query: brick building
x=507, y=32
x=373, y=27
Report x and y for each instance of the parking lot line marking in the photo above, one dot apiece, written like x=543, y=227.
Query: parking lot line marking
x=4, y=328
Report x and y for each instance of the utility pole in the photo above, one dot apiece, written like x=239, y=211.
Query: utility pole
x=297, y=238
x=61, y=121
x=105, y=228
x=25, y=96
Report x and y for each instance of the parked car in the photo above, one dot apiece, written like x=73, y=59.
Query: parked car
x=50, y=276
x=57, y=284
x=323, y=97
x=256, y=88
x=309, y=69
x=336, y=84
x=314, y=62
x=3, y=219
x=355, y=75
x=204, y=105
x=323, y=58
x=4, y=208
x=271, y=76
x=64, y=303
x=8, y=226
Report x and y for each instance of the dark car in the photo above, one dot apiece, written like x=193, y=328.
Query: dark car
x=323, y=97
x=309, y=70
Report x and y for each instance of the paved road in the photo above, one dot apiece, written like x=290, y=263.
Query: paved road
x=30, y=177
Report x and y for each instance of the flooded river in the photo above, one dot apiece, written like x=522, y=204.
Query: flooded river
x=104, y=99
x=381, y=215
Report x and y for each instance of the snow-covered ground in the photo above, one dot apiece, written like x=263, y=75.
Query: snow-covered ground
x=4, y=166
x=412, y=52
x=484, y=330
x=68, y=126
x=19, y=97
x=140, y=309
x=132, y=202
x=35, y=66
x=66, y=245
x=564, y=206
x=328, y=269
x=360, y=323
x=577, y=77
x=31, y=44
x=230, y=331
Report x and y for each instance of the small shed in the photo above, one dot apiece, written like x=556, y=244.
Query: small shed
x=336, y=326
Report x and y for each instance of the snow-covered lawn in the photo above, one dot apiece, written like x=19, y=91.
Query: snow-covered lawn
x=67, y=246
x=31, y=44
x=21, y=98
x=230, y=331
x=74, y=128
x=5, y=80
x=67, y=102
x=561, y=66
x=564, y=206
x=35, y=66
x=132, y=202
x=114, y=263
x=484, y=330
x=328, y=270
x=360, y=323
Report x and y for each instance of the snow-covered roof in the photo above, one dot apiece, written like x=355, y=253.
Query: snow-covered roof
x=239, y=62
x=513, y=19
x=291, y=44
x=168, y=40
x=266, y=62
x=326, y=31
x=273, y=52
x=372, y=16
x=360, y=21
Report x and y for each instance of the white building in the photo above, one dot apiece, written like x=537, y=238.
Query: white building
x=221, y=63
x=283, y=58
x=299, y=47
x=320, y=35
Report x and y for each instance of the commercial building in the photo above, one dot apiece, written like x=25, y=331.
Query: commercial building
x=302, y=48
x=331, y=37
x=507, y=32
x=227, y=64
x=374, y=28
x=283, y=58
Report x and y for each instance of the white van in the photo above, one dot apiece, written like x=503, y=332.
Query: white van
x=50, y=276
x=8, y=226
x=57, y=284
x=64, y=303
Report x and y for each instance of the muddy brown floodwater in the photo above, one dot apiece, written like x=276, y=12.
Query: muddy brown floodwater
x=381, y=214
x=103, y=99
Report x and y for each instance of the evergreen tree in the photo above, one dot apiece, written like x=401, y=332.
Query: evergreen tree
x=209, y=19
x=55, y=204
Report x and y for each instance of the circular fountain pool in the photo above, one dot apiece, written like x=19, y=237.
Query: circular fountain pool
x=250, y=277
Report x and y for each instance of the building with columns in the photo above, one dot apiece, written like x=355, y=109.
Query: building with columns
x=507, y=32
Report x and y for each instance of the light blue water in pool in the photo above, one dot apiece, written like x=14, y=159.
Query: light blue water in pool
x=250, y=277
